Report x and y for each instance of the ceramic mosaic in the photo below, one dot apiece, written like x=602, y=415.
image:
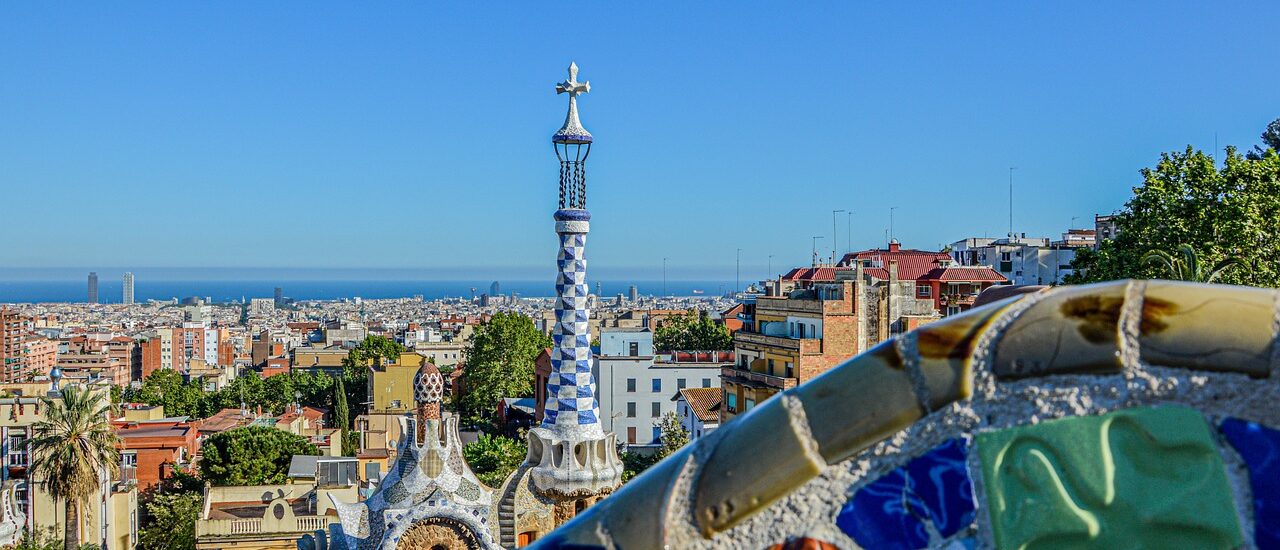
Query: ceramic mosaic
x=1085, y=407
x=1259, y=447
x=930, y=494
x=1145, y=477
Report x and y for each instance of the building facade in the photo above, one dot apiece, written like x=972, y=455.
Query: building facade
x=636, y=386
x=127, y=298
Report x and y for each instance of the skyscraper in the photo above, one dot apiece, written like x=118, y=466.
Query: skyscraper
x=634, y=293
x=128, y=288
x=279, y=295
x=93, y=287
x=495, y=289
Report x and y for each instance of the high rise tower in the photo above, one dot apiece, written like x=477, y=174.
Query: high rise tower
x=571, y=423
x=93, y=287
x=128, y=289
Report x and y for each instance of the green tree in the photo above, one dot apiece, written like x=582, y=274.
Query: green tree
x=342, y=417
x=499, y=362
x=672, y=435
x=691, y=332
x=634, y=463
x=166, y=388
x=493, y=457
x=71, y=449
x=1220, y=212
x=172, y=524
x=1188, y=266
x=1270, y=140
x=252, y=455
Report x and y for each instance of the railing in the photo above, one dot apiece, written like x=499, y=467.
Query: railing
x=255, y=526
x=780, y=382
x=766, y=340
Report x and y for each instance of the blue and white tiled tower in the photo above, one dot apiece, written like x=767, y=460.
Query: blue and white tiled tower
x=572, y=454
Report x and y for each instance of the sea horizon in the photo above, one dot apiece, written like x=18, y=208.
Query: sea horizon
x=224, y=291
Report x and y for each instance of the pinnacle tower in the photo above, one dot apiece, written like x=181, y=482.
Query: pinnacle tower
x=571, y=454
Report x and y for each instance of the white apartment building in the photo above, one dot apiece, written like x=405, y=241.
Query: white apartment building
x=1022, y=260
x=636, y=386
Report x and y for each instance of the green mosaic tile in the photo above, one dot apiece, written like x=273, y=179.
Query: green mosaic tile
x=1138, y=478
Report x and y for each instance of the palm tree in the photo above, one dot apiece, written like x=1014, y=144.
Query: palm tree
x=1188, y=267
x=71, y=449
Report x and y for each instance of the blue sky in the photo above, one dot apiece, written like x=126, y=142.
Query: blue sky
x=416, y=136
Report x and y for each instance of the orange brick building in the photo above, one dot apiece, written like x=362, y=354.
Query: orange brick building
x=154, y=449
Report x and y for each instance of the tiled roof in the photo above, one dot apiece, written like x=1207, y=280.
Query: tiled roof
x=912, y=264
x=980, y=274
x=704, y=402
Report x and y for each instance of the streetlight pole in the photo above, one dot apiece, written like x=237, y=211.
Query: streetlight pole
x=835, y=240
x=737, y=273
x=848, y=232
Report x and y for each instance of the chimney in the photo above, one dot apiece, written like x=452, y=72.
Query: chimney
x=893, y=271
x=895, y=246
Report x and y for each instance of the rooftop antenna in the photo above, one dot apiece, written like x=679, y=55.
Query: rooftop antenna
x=891, y=234
x=737, y=273
x=1011, y=169
x=848, y=232
x=815, y=249
x=664, y=276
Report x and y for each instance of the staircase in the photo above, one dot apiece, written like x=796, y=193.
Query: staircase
x=507, y=514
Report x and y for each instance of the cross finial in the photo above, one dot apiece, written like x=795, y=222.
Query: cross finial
x=572, y=86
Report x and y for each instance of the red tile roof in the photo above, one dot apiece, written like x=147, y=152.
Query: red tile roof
x=976, y=274
x=912, y=264
x=703, y=402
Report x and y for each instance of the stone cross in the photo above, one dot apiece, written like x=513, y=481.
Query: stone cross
x=572, y=86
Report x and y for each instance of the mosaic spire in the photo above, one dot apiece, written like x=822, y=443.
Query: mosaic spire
x=571, y=419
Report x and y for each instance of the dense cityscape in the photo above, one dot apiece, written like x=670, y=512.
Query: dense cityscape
x=1108, y=385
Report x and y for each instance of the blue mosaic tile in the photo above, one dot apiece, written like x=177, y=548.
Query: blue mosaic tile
x=1259, y=446
x=892, y=512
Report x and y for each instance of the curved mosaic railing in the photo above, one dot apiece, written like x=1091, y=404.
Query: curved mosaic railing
x=1130, y=411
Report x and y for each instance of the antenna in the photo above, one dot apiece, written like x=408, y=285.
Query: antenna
x=891, y=234
x=1011, y=169
x=815, y=249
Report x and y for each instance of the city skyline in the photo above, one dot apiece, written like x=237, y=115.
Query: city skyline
x=250, y=121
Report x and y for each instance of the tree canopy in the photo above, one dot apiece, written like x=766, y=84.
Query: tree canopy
x=1220, y=212
x=72, y=448
x=499, y=362
x=166, y=387
x=692, y=332
x=252, y=455
x=493, y=457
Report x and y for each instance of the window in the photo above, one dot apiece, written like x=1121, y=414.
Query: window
x=747, y=404
x=801, y=330
x=631, y=410
x=657, y=434
x=18, y=450
x=732, y=403
x=1004, y=257
x=790, y=370
x=1006, y=267
x=742, y=360
x=924, y=292
x=656, y=410
x=631, y=385
x=771, y=366
x=706, y=382
x=129, y=459
x=657, y=385
x=680, y=383
x=631, y=435
x=635, y=349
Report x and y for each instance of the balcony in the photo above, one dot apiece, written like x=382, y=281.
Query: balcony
x=255, y=526
x=757, y=378
x=746, y=337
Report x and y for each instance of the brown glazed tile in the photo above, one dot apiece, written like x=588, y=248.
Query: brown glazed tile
x=944, y=349
x=767, y=454
x=1070, y=330
x=1183, y=326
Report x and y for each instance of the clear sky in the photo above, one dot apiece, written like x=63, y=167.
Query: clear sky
x=415, y=136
